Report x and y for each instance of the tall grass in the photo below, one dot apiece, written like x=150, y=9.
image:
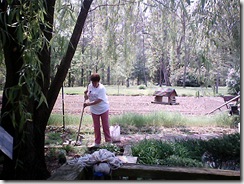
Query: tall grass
x=165, y=119
x=72, y=121
x=170, y=119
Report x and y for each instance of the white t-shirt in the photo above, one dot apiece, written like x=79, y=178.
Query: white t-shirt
x=98, y=93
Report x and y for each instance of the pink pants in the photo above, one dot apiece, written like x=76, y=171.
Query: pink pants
x=105, y=125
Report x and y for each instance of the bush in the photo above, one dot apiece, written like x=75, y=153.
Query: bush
x=142, y=87
x=225, y=148
x=189, y=153
x=176, y=161
x=233, y=81
x=191, y=78
x=151, y=151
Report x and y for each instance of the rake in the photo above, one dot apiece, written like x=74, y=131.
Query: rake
x=78, y=134
x=82, y=112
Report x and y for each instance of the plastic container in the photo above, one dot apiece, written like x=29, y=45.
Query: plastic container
x=115, y=133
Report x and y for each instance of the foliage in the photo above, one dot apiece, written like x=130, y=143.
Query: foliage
x=189, y=152
x=142, y=87
x=199, y=34
x=151, y=151
x=170, y=119
x=31, y=39
x=233, y=81
x=191, y=78
x=54, y=138
x=225, y=148
x=176, y=161
x=112, y=148
x=137, y=122
x=68, y=148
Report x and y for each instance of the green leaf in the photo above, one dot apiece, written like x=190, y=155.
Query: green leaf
x=20, y=34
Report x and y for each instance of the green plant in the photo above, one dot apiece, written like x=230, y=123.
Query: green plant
x=51, y=154
x=177, y=161
x=191, y=78
x=68, y=148
x=53, y=138
x=112, y=148
x=188, y=153
x=170, y=119
x=225, y=148
x=190, y=148
x=151, y=151
x=233, y=81
x=142, y=87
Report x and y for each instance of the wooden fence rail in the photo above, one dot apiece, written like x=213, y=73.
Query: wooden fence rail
x=147, y=172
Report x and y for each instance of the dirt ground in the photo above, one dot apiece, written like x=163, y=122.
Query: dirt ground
x=143, y=104
x=189, y=106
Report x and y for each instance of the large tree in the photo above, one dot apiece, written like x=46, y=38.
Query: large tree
x=29, y=96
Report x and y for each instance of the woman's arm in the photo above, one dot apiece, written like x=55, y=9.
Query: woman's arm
x=92, y=103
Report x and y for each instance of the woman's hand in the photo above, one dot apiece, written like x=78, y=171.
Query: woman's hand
x=86, y=104
x=92, y=103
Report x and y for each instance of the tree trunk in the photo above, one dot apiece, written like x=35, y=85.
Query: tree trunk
x=66, y=61
x=108, y=76
x=217, y=83
x=28, y=161
x=82, y=82
x=185, y=50
x=127, y=82
x=160, y=74
x=165, y=72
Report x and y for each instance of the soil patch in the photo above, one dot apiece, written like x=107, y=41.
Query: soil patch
x=143, y=104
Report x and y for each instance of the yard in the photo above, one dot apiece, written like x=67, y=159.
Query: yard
x=189, y=106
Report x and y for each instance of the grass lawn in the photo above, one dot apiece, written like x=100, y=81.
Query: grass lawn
x=135, y=90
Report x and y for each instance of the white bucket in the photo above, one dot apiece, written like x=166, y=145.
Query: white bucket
x=115, y=133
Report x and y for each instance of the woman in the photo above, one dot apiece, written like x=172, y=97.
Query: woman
x=99, y=107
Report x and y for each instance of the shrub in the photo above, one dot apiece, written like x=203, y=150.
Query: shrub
x=189, y=152
x=225, y=148
x=53, y=138
x=142, y=87
x=176, y=161
x=191, y=77
x=151, y=151
x=233, y=81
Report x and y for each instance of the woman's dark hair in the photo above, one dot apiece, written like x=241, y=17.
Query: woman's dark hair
x=95, y=77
